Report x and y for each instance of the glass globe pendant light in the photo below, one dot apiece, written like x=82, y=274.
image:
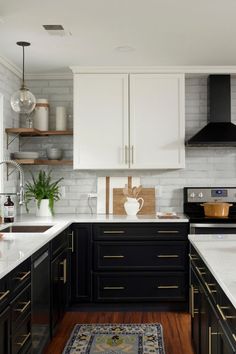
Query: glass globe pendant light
x=23, y=101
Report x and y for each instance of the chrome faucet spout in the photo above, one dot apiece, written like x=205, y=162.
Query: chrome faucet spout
x=21, y=192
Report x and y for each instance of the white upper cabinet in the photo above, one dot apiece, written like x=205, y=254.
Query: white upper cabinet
x=128, y=121
x=101, y=121
x=157, y=121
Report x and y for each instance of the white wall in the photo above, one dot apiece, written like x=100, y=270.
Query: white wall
x=204, y=166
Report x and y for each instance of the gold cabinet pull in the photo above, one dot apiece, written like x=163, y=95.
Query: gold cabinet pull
x=111, y=257
x=209, y=289
x=114, y=232
x=221, y=312
x=209, y=340
x=24, y=275
x=4, y=294
x=167, y=256
x=193, y=257
x=167, y=231
x=64, y=264
x=126, y=154
x=168, y=286
x=113, y=288
x=72, y=242
x=192, y=300
x=26, y=304
x=199, y=270
x=26, y=337
x=234, y=336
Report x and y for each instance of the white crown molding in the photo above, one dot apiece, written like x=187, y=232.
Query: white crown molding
x=155, y=69
x=12, y=67
x=49, y=76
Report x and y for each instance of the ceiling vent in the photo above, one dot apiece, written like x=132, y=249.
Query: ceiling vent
x=55, y=30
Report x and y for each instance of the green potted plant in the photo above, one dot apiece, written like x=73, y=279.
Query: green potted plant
x=44, y=192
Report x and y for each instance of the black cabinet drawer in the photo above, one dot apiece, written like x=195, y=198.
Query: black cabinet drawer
x=20, y=276
x=4, y=292
x=21, y=306
x=138, y=255
x=227, y=314
x=140, y=286
x=125, y=231
x=21, y=339
x=59, y=243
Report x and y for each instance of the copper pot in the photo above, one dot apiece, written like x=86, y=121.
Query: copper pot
x=216, y=209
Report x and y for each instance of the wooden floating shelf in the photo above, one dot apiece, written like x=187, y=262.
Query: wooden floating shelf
x=44, y=162
x=36, y=132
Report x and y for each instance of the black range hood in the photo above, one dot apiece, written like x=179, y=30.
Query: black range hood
x=219, y=131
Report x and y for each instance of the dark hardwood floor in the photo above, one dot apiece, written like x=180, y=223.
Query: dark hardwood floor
x=176, y=327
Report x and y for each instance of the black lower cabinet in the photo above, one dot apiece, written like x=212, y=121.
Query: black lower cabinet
x=212, y=332
x=5, y=319
x=81, y=263
x=58, y=288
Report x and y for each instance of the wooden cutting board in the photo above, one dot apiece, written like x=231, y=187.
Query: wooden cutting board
x=148, y=195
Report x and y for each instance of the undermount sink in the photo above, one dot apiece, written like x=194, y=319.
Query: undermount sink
x=27, y=228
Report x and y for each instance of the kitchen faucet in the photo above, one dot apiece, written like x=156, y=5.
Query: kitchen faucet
x=21, y=192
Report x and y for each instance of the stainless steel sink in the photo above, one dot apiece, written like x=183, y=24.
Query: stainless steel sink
x=27, y=228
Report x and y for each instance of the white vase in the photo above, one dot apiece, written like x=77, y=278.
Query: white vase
x=43, y=209
x=132, y=205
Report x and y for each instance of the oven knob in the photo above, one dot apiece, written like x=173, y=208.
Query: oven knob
x=192, y=195
x=200, y=195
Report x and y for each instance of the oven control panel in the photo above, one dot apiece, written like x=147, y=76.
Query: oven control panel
x=202, y=195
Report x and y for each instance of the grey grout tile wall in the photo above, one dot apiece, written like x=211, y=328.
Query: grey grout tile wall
x=204, y=166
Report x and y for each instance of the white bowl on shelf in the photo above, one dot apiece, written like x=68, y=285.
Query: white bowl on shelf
x=25, y=155
x=54, y=153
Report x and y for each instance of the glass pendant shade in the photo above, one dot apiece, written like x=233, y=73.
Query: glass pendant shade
x=23, y=101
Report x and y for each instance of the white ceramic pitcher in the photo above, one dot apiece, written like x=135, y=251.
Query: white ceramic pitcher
x=133, y=206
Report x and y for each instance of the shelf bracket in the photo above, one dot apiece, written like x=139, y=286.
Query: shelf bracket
x=9, y=142
x=9, y=173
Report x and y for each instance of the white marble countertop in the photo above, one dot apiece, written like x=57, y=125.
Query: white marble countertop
x=16, y=247
x=219, y=254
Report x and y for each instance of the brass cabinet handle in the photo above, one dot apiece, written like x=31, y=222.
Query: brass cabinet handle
x=26, y=304
x=25, y=275
x=192, y=257
x=4, y=294
x=168, y=286
x=126, y=154
x=221, y=312
x=114, y=232
x=118, y=256
x=72, y=241
x=167, y=256
x=209, y=289
x=113, y=288
x=64, y=264
x=192, y=301
x=234, y=336
x=26, y=337
x=199, y=270
x=209, y=340
x=167, y=232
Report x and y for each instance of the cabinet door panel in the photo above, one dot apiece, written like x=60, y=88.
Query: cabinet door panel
x=100, y=121
x=157, y=120
x=5, y=331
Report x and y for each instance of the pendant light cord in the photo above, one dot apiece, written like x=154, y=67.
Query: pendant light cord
x=23, y=74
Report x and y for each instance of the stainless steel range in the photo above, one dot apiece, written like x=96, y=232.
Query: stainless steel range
x=199, y=224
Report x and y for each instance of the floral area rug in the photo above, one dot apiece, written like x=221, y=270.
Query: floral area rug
x=116, y=339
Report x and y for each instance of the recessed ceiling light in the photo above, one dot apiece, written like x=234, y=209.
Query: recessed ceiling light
x=125, y=49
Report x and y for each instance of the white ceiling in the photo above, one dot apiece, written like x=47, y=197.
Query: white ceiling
x=162, y=32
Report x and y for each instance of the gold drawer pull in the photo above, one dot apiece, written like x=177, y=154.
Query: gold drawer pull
x=24, y=275
x=168, y=286
x=113, y=288
x=234, y=337
x=114, y=232
x=118, y=256
x=199, y=270
x=4, y=294
x=167, y=256
x=26, y=304
x=196, y=312
x=209, y=289
x=221, y=312
x=168, y=232
x=26, y=337
x=64, y=264
x=193, y=257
